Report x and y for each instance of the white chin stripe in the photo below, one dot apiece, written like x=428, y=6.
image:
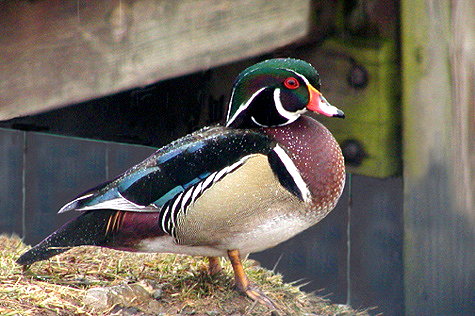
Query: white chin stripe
x=290, y=116
x=253, y=119
x=294, y=173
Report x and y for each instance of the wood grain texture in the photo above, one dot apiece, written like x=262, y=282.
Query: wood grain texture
x=55, y=53
x=438, y=70
x=462, y=58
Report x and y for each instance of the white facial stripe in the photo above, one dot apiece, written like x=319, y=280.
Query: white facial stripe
x=242, y=107
x=290, y=116
x=326, y=107
x=253, y=119
x=229, y=105
x=299, y=75
x=294, y=173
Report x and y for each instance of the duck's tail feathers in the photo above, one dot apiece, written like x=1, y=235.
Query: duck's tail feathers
x=87, y=229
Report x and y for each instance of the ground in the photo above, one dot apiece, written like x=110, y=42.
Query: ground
x=98, y=281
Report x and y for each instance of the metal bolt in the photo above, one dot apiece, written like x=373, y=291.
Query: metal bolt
x=358, y=77
x=353, y=152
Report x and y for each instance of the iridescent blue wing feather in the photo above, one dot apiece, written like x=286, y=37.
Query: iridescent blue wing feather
x=173, y=169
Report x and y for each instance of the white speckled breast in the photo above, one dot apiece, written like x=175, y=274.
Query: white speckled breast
x=318, y=157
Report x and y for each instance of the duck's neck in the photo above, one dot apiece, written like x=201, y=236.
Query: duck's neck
x=317, y=156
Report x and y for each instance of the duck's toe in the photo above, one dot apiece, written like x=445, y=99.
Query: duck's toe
x=257, y=295
x=243, y=284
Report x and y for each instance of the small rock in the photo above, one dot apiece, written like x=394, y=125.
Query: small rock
x=127, y=295
x=98, y=298
x=154, y=306
x=157, y=294
x=125, y=311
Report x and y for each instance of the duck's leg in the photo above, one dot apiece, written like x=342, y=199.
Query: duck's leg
x=242, y=282
x=214, y=265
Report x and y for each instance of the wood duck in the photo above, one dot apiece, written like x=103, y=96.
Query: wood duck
x=266, y=175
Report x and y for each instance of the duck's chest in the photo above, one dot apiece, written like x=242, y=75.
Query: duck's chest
x=317, y=157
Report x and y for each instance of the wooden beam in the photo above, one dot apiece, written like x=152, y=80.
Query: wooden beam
x=438, y=74
x=55, y=53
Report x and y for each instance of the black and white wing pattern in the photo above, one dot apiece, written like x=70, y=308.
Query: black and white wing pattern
x=175, y=175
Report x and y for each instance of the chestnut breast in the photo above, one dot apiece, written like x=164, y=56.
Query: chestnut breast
x=317, y=156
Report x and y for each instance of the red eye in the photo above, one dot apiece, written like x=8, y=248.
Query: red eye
x=291, y=83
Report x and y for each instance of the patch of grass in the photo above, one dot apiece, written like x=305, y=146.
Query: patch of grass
x=58, y=285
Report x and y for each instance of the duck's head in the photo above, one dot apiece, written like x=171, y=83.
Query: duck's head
x=276, y=92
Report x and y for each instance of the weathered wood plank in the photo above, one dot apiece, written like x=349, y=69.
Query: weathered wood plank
x=462, y=55
x=54, y=53
x=439, y=213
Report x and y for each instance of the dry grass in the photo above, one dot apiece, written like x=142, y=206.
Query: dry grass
x=57, y=286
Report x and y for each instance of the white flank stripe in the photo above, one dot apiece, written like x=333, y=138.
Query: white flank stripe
x=178, y=207
x=220, y=174
x=196, y=192
x=169, y=223
x=294, y=173
x=186, y=198
x=237, y=164
x=164, y=228
x=175, y=209
x=215, y=177
x=207, y=181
